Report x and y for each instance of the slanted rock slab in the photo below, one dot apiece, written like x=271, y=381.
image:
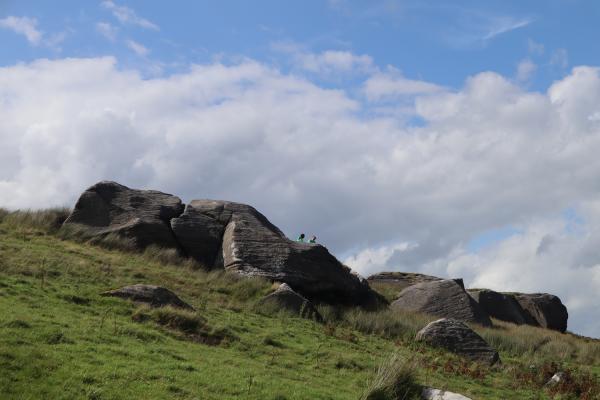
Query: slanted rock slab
x=141, y=215
x=287, y=299
x=457, y=337
x=443, y=298
x=437, y=394
x=155, y=296
x=238, y=238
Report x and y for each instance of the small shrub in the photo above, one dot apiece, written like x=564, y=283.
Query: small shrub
x=271, y=341
x=394, y=380
x=18, y=323
x=175, y=318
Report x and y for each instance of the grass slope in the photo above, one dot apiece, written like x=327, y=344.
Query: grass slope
x=59, y=339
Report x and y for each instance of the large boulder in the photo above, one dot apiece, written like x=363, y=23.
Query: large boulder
x=457, y=337
x=502, y=306
x=444, y=298
x=236, y=237
x=155, y=296
x=141, y=215
x=285, y=298
x=545, y=309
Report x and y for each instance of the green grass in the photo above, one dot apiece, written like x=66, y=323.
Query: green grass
x=59, y=339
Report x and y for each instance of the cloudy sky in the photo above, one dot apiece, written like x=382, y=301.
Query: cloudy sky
x=455, y=140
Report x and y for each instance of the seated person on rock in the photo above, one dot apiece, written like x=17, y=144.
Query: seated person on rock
x=313, y=239
x=300, y=238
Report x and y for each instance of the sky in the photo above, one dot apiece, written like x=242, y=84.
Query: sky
x=458, y=140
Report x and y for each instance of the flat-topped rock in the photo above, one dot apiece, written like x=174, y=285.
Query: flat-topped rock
x=457, y=337
x=437, y=394
x=285, y=298
x=444, y=298
x=398, y=281
x=155, y=296
x=140, y=215
x=236, y=237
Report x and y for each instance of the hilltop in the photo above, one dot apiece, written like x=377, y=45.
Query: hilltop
x=59, y=338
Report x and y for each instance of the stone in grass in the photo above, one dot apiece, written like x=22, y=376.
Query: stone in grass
x=457, y=337
x=155, y=296
x=437, y=394
x=286, y=298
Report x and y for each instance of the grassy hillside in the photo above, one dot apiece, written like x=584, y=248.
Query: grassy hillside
x=59, y=339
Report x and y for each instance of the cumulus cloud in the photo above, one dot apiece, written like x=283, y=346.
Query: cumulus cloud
x=127, y=16
x=24, y=26
x=378, y=193
x=392, y=84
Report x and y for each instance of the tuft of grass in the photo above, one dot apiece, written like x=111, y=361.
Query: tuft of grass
x=175, y=318
x=395, y=379
x=47, y=221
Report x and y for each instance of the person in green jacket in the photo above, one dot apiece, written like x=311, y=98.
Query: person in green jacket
x=313, y=239
x=300, y=238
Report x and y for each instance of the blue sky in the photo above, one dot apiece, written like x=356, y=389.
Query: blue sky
x=442, y=42
x=457, y=139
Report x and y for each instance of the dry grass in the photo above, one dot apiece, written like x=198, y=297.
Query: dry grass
x=394, y=380
x=519, y=340
x=48, y=221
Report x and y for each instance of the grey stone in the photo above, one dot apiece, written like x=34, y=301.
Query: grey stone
x=238, y=238
x=287, y=299
x=444, y=298
x=395, y=282
x=141, y=215
x=457, y=337
x=437, y=394
x=545, y=309
x=501, y=306
x=156, y=296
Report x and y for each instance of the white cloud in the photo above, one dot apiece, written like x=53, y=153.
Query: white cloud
x=501, y=25
x=126, y=15
x=535, y=48
x=330, y=62
x=315, y=160
x=24, y=26
x=107, y=30
x=391, y=84
x=525, y=69
x=137, y=48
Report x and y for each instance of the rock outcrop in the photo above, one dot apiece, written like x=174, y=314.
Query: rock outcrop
x=537, y=309
x=155, y=296
x=236, y=237
x=220, y=234
x=284, y=298
x=443, y=298
x=394, y=282
x=457, y=337
x=501, y=306
x=546, y=309
x=141, y=215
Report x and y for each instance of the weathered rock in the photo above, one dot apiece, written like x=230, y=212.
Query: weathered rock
x=437, y=394
x=546, y=309
x=141, y=215
x=156, y=296
x=458, y=338
x=443, y=298
x=394, y=282
x=285, y=298
x=501, y=306
x=234, y=236
x=556, y=378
